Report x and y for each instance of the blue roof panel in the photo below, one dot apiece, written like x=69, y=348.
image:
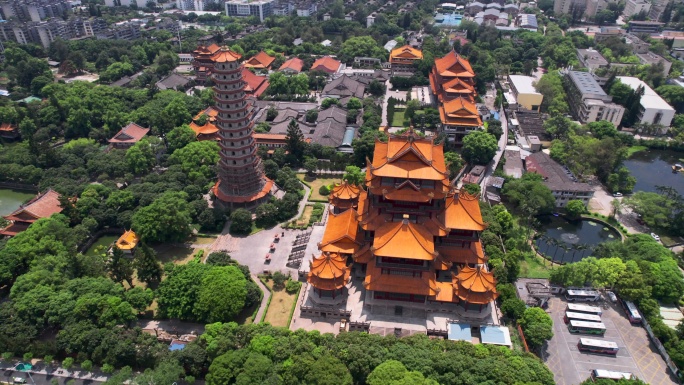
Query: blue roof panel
x=459, y=332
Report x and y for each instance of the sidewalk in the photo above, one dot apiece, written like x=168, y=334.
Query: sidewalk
x=55, y=371
x=264, y=300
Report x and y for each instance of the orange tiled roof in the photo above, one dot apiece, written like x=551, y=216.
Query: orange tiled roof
x=262, y=60
x=405, y=53
x=457, y=85
x=208, y=128
x=408, y=156
x=132, y=133
x=128, y=240
x=225, y=55
x=211, y=112
x=243, y=199
x=423, y=285
x=476, y=285
x=459, y=112
x=463, y=212
x=294, y=64
x=452, y=65
x=472, y=256
x=7, y=127
x=404, y=240
x=341, y=234
x=329, y=271
x=42, y=206
x=345, y=191
x=212, y=49
x=256, y=85
x=326, y=64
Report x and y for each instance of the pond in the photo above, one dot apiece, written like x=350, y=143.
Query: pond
x=100, y=245
x=565, y=241
x=654, y=168
x=10, y=200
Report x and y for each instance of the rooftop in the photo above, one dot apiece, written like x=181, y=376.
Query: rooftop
x=586, y=83
x=555, y=176
x=523, y=84
x=592, y=56
x=650, y=99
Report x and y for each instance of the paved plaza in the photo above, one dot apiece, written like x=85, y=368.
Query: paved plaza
x=637, y=354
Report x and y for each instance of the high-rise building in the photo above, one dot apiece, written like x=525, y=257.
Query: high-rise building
x=33, y=10
x=241, y=181
x=244, y=8
x=412, y=236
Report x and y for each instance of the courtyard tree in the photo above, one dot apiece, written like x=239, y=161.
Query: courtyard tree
x=294, y=139
x=167, y=219
x=180, y=137
x=454, y=163
x=221, y=295
x=537, y=326
x=354, y=175
x=479, y=147
x=575, y=208
x=147, y=266
x=241, y=222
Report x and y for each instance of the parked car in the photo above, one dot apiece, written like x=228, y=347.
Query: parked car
x=655, y=236
x=18, y=380
x=617, y=195
x=611, y=296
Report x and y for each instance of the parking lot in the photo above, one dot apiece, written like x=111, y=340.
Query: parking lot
x=636, y=355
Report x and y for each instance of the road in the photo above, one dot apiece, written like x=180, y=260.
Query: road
x=43, y=378
x=499, y=153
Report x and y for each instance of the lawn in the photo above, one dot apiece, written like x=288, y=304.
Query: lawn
x=180, y=255
x=316, y=184
x=278, y=312
x=534, y=267
x=634, y=149
x=304, y=219
x=398, y=118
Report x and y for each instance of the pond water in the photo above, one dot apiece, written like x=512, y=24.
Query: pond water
x=103, y=242
x=654, y=168
x=10, y=200
x=578, y=237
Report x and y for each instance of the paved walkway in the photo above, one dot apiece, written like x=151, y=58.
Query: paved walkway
x=41, y=374
x=264, y=299
x=503, y=141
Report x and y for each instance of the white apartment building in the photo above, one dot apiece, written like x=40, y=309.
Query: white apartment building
x=245, y=8
x=128, y=3
x=190, y=5
x=588, y=101
x=654, y=109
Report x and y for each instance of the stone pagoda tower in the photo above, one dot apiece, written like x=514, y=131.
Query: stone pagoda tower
x=241, y=181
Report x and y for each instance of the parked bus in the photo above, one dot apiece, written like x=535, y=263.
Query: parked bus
x=584, y=309
x=598, y=374
x=632, y=312
x=589, y=345
x=582, y=295
x=583, y=327
x=581, y=317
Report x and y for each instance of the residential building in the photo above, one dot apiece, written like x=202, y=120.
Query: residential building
x=654, y=110
x=411, y=236
x=606, y=32
x=527, y=21
x=306, y=9
x=566, y=6
x=561, y=182
x=128, y=136
x=241, y=180
x=326, y=64
x=33, y=10
x=657, y=9
x=260, y=61
x=370, y=20
x=588, y=101
x=474, y=8
x=190, y=5
x=593, y=7
x=526, y=95
x=513, y=166
x=638, y=46
x=173, y=82
x=651, y=58
x=650, y=27
x=127, y=242
x=402, y=60
x=128, y=3
x=634, y=7
x=244, y=8
x=270, y=141
x=292, y=66
x=42, y=206
x=511, y=9
x=591, y=59
x=366, y=62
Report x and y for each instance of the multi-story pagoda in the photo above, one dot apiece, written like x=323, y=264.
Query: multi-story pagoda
x=202, y=61
x=241, y=179
x=415, y=238
x=452, y=80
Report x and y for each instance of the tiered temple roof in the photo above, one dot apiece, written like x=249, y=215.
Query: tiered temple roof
x=405, y=54
x=460, y=112
x=42, y=206
x=329, y=271
x=127, y=241
x=410, y=226
x=452, y=76
x=344, y=195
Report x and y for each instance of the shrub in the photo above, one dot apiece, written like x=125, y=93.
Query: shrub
x=28, y=356
x=68, y=363
x=107, y=368
x=324, y=190
x=292, y=286
x=279, y=280
x=190, y=379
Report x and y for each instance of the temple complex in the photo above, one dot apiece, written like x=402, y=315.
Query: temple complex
x=127, y=242
x=410, y=238
x=452, y=80
x=202, y=61
x=402, y=60
x=241, y=181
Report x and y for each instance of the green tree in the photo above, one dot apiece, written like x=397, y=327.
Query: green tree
x=140, y=157
x=146, y=265
x=167, y=219
x=472, y=188
x=479, y=147
x=454, y=163
x=575, y=208
x=354, y=104
x=513, y=308
x=180, y=137
x=294, y=139
x=197, y=159
x=119, y=267
x=311, y=116
x=393, y=372
x=311, y=165
x=353, y=175
x=537, y=326
x=364, y=46
x=559, y=127
x=87, y=365
x=530, y=194
x=68, y=363
x=221, y=295
x=241, y=222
